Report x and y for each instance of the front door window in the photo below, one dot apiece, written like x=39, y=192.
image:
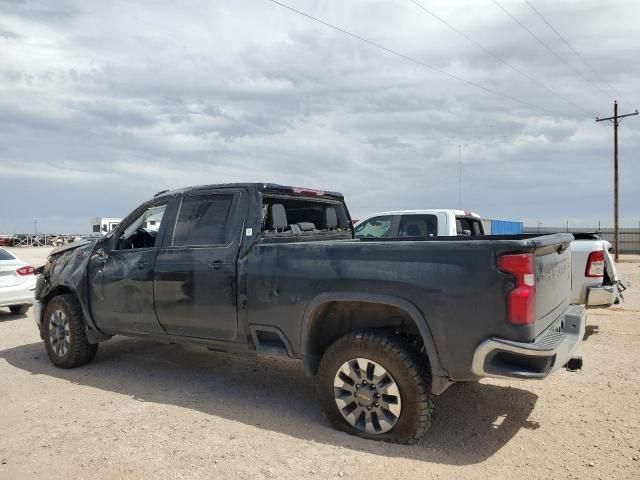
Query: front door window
x=142, y=232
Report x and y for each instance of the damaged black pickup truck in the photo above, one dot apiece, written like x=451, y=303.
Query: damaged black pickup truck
x=383, y=326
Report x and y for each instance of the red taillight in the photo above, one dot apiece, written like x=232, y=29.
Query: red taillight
x=521, y=300
x=26, y=270
x=595, y=264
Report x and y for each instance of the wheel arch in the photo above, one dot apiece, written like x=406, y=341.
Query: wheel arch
x=94, y=335
x=56, y=292
x=319, y=311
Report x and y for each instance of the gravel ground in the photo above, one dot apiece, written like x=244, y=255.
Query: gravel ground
x=148, y=410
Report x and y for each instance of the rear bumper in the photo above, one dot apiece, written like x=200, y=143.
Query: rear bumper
x=602, y=296
x=22, y=294
x=552, y=349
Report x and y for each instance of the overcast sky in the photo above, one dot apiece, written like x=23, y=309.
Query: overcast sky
x=102, y=104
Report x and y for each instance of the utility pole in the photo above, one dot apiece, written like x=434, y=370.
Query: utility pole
x=616, y=119
x=460, y=177
x=35, y=227
x=460, y=147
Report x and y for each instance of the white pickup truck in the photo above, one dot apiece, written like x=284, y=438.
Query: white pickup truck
x=420, y=223
x=594, y=280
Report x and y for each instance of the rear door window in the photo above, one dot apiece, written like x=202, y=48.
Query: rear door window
x=469, y=226
x=418, y=226
x=203, y=220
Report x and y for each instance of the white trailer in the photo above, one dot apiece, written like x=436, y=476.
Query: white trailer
x=104, y=225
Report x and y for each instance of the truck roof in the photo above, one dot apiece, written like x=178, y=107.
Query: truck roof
x=260, y=187
x=457, y=213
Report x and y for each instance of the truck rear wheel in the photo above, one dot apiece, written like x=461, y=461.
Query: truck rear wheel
x=65, y=338
x=375, y=385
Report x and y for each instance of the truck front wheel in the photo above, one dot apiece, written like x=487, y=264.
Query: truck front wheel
x=65, y=338
x=375, y=385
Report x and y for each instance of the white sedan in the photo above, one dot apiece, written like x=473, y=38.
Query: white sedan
x=17, y=283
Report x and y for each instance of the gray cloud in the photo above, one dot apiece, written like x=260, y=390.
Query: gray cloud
x=104, y=104
x=9, y=35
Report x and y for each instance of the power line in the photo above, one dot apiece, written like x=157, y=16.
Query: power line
x=497, y=57
x=553, y=52
x=418, y=62
x=584, y=60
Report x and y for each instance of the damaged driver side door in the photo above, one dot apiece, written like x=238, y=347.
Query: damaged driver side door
x=121, y=273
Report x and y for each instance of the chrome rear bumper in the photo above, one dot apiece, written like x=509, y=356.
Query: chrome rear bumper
x=552, y=349
x=603, y=296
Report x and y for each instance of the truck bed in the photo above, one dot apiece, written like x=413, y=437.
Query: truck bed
x=453, y=281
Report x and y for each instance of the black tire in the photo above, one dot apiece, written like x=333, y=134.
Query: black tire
x=79, y=351
x=408, y=368
x=19, y=309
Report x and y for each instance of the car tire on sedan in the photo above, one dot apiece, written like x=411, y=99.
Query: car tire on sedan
x=18, y=309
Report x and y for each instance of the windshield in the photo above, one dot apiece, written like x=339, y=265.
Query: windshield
x=378, y=227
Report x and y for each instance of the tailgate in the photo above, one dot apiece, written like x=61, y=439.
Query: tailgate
x=553, y=279
x=610, y=265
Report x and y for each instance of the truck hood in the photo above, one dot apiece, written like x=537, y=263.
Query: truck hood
x=84, y=244
x=71, y=246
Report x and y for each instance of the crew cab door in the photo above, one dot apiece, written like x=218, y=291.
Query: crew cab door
x=195, y=271
x=120, y=274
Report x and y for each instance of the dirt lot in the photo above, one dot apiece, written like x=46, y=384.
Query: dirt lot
x=147, y=410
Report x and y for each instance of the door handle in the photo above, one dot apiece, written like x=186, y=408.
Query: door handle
x=141, y=265
x=216, y=264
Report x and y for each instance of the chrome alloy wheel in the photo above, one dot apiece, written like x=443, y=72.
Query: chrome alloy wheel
x=59, y=335
x=367, y=396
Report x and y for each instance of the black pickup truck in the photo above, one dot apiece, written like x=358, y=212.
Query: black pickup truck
x=383, y=326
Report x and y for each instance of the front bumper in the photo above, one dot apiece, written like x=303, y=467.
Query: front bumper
x=37, y=314
x=552, y=349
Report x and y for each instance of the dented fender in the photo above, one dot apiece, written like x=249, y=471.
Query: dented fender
x=66, y=269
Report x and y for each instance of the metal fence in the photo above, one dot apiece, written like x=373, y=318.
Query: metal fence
x=37, y=240
x=629, y=237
